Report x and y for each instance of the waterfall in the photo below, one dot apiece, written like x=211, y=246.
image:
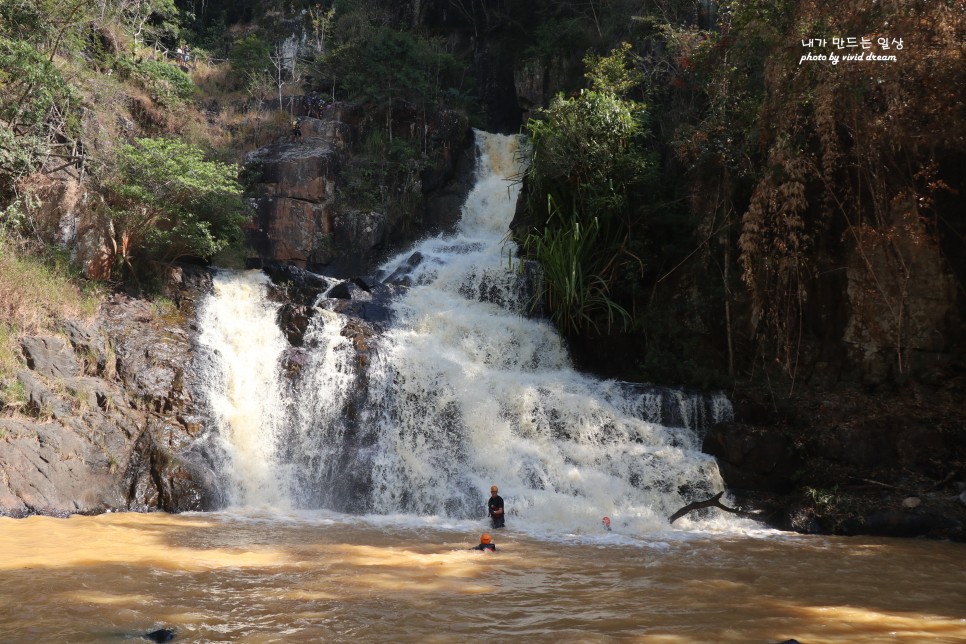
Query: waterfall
x=239, y=328
x=462, y=391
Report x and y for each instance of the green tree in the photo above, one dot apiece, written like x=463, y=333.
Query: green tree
x=168, y=202
x=250, y=62
x=35, y=101
x=374, y=63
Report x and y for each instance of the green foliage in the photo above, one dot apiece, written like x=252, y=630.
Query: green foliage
x=383, y=176
x=37, y=291
x=574, y=258
x=590, y=148
x=166, y=83
x=249, y=58
x=557, y=37
x=148, y=20
x=168, y=202
x=12, y=395
x=614, y=73
x=592, y=167
x=376, y=64
x=34, y=99
x=45, y=23
x=30, y=87
x=765, y=17
x=208, y=32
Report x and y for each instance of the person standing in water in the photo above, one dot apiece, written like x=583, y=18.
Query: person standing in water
x=486, y=543
x=495, y=507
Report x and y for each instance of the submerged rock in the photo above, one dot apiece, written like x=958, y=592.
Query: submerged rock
x=160, y=635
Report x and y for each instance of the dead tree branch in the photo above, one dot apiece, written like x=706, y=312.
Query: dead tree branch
x=713, y=502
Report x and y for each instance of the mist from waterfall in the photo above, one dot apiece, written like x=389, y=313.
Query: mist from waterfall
x=463, y=391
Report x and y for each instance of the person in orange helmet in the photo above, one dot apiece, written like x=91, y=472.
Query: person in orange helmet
x=486, y=543
x=495, y=506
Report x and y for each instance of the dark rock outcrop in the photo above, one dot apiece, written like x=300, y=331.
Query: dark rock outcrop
x=850, y=463
x=295, y=184
x=752, y=458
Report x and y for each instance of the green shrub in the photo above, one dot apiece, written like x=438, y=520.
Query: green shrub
x=34, y=102
x=574, y=259
x=167, y=202
x=591, y=169
x=376, y=64
x=166, y=83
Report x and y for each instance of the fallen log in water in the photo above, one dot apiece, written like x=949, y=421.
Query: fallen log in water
x=713, y=502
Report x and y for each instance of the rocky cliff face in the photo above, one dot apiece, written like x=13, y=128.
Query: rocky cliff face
x=844, y=462
x=112, y=415
x=295, y=181
x=300, y=219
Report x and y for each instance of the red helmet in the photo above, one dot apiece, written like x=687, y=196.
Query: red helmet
x=485, y=538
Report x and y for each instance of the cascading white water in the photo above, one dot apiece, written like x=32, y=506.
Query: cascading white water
x=461, y=392
x=239, y=327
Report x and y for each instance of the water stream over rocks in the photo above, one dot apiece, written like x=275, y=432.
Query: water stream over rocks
x=418, y=388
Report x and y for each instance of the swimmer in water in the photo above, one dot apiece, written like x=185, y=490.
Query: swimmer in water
x=486, y=543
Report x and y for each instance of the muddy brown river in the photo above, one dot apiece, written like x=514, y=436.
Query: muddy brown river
x=333, y=578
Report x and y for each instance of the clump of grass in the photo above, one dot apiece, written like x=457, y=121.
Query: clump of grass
x=37, y=292
x=12, y=395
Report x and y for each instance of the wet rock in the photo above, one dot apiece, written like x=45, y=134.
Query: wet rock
x=911, y=502
x=373, y=306
x=399, y=276
x=301, y=286
x=916, y=523
x=163, y=475
x=361, y=237
x=294, y=361
x=294, y=320
x=119, y=432
x=345, y=291
x=160, y=635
